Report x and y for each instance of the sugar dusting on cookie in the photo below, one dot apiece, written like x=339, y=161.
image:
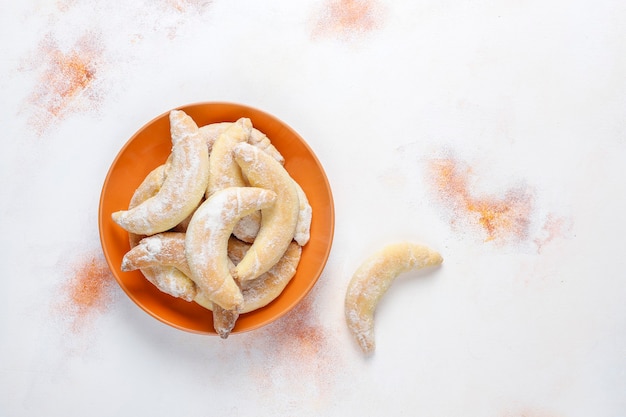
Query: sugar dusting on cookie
x=67, y=80
x=502, y=218
x=347, y=19
x=87, y=293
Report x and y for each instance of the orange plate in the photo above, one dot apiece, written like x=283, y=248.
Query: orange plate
x=150, y=147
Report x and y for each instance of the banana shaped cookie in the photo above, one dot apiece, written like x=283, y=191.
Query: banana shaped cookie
x=167, y=250
x=257, y=138
x=303, y=226
x=163, y=255
x=167, y=279
x=259, y=292
x=263, y=290
x=184, y=186
x=278, y=222
x=224, y=172
x=373, y=278
x=224, y=320
x=206, y=241
x=162, y=249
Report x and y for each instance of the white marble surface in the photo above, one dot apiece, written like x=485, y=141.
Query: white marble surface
x=520, y=97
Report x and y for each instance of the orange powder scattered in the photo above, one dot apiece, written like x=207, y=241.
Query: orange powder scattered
x=87, y=293
x=554, y=227
x=184, y=6
x=503, y=218
x=303, y=335
x=66, y=80
x=300, y=347
x=65, y=5
x=346, y=18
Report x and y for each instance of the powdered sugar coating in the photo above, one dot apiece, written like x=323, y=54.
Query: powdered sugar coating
x=184, y=185
x=207, y=237
x=263, y=290
x=172, y=281
x=163, y=249
x=373, y=278
x=278, y=222
x=257, y=138
x=303, y=227
x=167, y=279
x=224, y=172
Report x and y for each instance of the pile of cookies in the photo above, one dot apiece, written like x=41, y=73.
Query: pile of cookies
x=221, y=223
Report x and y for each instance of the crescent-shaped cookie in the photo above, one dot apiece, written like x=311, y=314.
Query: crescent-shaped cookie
x=206, y=240
x=224, y=320
x=373, y=278
x=259, y=292
x=170, y=280
x=278, y=222
x=162, y=249
x=167, y=250
x=149, y=187
x=263, y=290
x=161, y=259
x=305, y=215
x=167, y=279
x=184, y=185
x=164, y=255
x=224, y=172
x=257, y=138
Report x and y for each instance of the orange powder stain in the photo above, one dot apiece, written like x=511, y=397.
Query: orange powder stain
x=174, y=16
x=65, y=5
x=304, y=337
x=346, y=18
x=502, y=218
x=87, y=293
x=300, y=347
x=67, y=80
x=184, y=6
x=72, y=74
x=553, y=228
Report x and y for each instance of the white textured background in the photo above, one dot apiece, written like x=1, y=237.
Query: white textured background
x=522, y=97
